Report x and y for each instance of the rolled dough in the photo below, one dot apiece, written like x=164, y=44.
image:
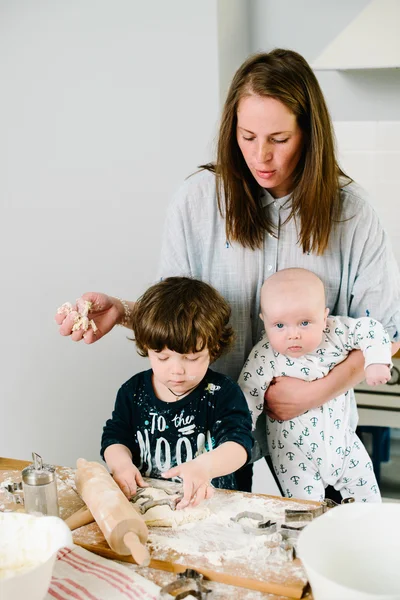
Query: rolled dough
x=163, y=515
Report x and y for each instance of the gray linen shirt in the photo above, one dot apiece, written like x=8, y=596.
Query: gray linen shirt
x=358, y=269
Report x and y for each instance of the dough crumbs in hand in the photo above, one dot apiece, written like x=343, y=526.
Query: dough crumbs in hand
x=81, y=320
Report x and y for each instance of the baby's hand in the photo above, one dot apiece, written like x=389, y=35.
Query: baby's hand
x=128, y=479
x=196, y=482
x=377, y=374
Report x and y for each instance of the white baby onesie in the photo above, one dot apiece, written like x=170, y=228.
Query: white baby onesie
x=320, y=447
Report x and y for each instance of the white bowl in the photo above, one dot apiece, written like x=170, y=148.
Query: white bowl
x=353, y=552
x=28, y=549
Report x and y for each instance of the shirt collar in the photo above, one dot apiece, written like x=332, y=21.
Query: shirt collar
x=267, y=199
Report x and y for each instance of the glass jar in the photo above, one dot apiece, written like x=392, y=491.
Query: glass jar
x=40, y=488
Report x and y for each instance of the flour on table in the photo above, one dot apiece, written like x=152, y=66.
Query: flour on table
x=218, y=540
x=163, y=515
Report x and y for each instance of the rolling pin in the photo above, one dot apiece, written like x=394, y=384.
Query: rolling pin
x=124, y=529
x=81, y=517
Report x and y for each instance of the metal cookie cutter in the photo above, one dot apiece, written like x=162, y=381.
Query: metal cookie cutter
x=308, y=514
x=262, y=526
x=14, y=495
x=188, y=583
x=143, y=507
x=328, y=503
x=288, y=532
x=169, y=486
x=286, y=550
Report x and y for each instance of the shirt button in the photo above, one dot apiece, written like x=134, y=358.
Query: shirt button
x=276, y=204
x=269, y=268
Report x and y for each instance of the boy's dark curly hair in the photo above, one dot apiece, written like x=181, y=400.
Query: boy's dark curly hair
x=184, y=315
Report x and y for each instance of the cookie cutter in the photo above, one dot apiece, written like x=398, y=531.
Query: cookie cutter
x=328, y=503
x=286, y=550
x=303, y=515
x=291, y=531
x=306, y=515
x=143, y=507
x=13, y=492
x=151, y=503
x=262, y=526
x=169, y=486
x=188, y=583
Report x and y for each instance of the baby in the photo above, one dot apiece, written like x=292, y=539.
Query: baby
x=179, y=418
x=320, y=447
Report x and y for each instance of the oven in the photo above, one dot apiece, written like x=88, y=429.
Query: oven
x=379, y=429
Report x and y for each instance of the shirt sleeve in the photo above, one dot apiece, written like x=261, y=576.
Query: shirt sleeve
x=376, y=288
x=255, y=378
x=365, y=334
x=174, y=258
x=118, y=429
x=233, y=421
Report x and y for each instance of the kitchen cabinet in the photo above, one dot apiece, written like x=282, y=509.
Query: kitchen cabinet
x=370, y=41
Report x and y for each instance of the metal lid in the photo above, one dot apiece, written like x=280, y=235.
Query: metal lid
x=33, y=476
x=38, y=473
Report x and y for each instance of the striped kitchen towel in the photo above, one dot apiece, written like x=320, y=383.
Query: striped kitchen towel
x=82, y=575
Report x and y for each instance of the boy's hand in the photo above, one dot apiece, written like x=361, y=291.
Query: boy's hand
x=377, y=374
x=129, y=479
x=196, y=483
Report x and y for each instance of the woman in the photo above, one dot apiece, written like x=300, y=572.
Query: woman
x=274, y=198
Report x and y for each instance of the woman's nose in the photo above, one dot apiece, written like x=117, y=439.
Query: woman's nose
x=264, y=152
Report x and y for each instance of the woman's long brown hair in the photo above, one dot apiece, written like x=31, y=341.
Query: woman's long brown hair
x=287, y=77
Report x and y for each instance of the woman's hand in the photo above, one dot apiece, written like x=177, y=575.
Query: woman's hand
x=287, y=397
x=105, y=311
x=196, y=482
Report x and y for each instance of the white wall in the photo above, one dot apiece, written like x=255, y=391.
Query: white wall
x=233, y=40
x=308, y=26
x=105, y=107
x=369, y=151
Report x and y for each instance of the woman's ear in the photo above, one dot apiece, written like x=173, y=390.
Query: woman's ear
x=261, y=317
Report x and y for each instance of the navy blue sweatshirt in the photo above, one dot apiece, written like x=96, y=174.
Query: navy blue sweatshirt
x=161, y=434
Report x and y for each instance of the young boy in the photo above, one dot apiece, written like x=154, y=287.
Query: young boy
x=179, y=418
x=320, y=447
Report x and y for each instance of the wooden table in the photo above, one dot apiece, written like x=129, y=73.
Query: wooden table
x=70, y=502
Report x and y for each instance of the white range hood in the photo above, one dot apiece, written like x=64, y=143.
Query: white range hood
x=370, y=41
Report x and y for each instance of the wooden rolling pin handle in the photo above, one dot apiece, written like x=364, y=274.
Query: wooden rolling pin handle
x=81, y=517
x=139, y=552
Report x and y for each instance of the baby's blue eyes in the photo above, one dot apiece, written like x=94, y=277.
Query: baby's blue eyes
x=302, y=324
